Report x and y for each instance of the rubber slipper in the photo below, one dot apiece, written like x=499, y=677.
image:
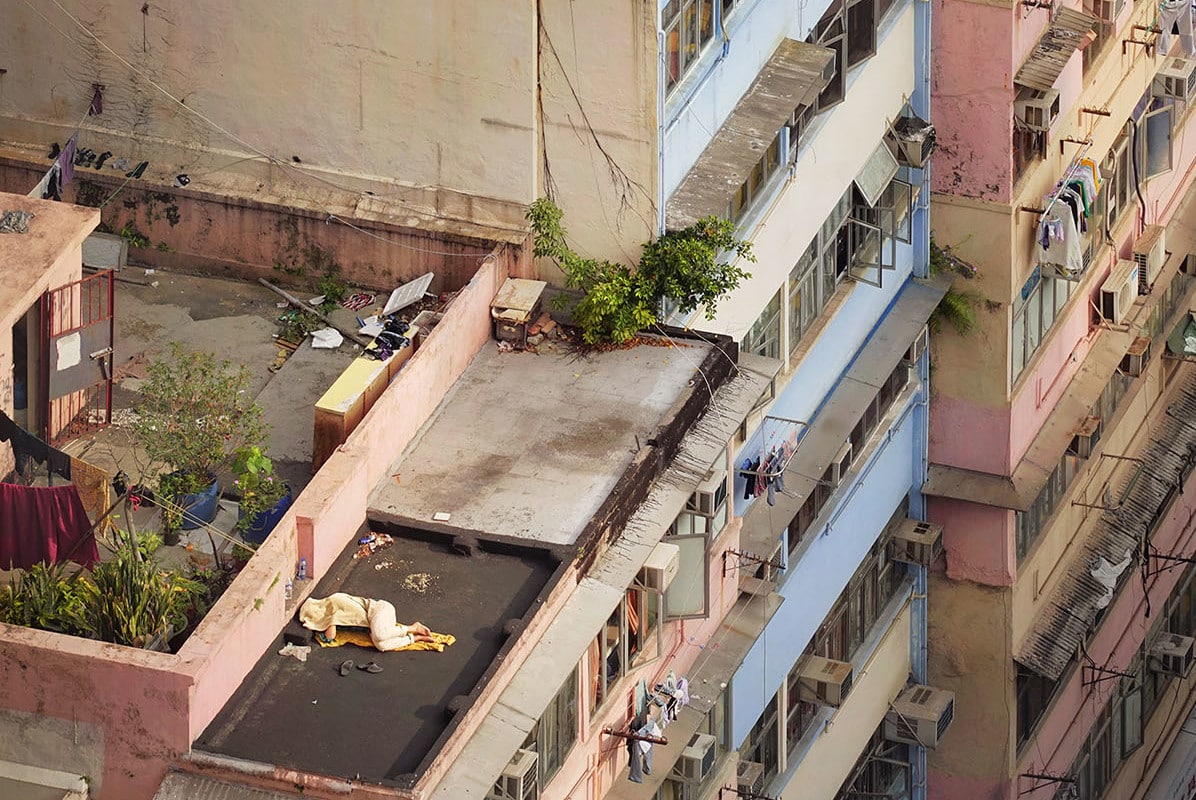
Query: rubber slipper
x=345, y=667
x=373, y=667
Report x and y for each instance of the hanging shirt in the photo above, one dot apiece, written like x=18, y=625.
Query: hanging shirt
x=1066, y=254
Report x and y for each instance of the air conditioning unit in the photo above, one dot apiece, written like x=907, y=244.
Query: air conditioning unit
x=916, y=542
x=1037, y=109
x=1137, y=357
x=697, y=759
x=1149, y=254
x=1176, y=78
x=660, y=568
x=824, y=682
x=912, y=140
x=518, y=780
x=918, y=347
x=1118, y=291
x=749, y=778
x=840, y=465
x=1085, y=437
x=1172, y=654
x=710, y=494
x=920, y=715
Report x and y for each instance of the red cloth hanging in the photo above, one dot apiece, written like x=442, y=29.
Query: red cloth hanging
x=44, y=524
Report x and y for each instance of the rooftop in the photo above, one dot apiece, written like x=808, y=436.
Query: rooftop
x=55, y=230
x=530, y=446
x=381, y=727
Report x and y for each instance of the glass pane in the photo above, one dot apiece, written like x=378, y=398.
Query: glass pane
x=1158, y=140
x=835, y=90
x=673, y=54
x=861, y=31
x=686, y=595
x=1033, y=313
x=1019, y=343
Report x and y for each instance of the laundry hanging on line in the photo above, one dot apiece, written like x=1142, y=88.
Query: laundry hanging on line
x=1059, y=240
x=27, y=447
x=44, y=524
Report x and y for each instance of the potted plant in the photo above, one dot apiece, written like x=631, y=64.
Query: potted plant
x=194, y=414
x=265, y=497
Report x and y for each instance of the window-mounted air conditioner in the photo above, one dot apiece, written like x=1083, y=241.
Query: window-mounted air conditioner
x=710, y=495
x=916, y=542
x=1172, y=654
x=697, y=759
x=912, y=141
x=918, y=347
x=920, y=715
x=1176, y=78
x=1149, y=254
x=518, y=780
x=1137, y=357
x=749, y=778
x=660, y=568
x=1118, y=291
x=1037, y=109
x=1085, y=438
x=839, y=465
x=824, y=681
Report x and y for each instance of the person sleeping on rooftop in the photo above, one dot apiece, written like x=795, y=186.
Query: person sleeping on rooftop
x=323, y=615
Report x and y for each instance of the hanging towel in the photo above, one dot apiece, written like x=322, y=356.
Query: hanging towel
x=44, y=524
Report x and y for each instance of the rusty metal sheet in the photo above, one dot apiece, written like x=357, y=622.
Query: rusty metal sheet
x=1061, y=38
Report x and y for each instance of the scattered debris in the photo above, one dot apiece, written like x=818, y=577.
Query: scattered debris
x=281, y=304
x=383, y=564
x=372, y=326
x=442, y=516
x=315, y=301
x=358, y=301
x=371, y=543
x=418, y=582
x=299, y=653
x=15, y=221
x=327, y=339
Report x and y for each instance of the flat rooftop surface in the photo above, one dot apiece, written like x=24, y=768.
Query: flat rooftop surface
x=380, y=727
x=56, y=229
x=530, y=445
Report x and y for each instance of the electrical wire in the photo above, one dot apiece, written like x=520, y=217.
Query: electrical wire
x=283, y=164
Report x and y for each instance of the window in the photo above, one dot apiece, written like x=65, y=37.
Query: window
x=1157, y=125
x=1034, y=312
x=688, y=27
x=1118, y=186
x=1106, y=11
x=1034, y=694
x=764, y=338
x=753, y=188
x=705, y=512
x=849, y=28
x=860, y=435
x=1031, y=522
x=882, y=770
x=623, y=641
x=703, y=519
x=1029, y=146
x=1116, y=734
x=556, y=732
x=762, y=742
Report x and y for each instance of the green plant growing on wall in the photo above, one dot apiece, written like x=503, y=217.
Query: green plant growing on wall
x=694, y=267
x=958, y=306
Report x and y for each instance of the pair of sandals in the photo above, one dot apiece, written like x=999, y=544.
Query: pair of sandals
x=373, y=667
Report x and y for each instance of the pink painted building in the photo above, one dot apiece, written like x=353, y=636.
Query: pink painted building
x=1060, y=443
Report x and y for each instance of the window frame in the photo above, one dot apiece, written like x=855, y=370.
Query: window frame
x=560, y=712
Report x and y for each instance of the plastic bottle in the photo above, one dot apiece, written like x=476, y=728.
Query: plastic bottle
x=290, y=590
x=303, y=569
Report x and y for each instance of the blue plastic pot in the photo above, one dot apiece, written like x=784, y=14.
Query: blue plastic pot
x=199, y=508
x=264, y=522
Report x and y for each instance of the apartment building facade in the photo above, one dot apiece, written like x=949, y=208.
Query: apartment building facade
x=1060, y=441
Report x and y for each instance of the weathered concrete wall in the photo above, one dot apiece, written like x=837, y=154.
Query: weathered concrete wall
x=247, y=238
x=971, y=655
x=114, y=714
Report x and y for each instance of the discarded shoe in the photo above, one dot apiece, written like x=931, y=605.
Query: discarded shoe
x=373, y=667
x=345, y=667
x=54, y=150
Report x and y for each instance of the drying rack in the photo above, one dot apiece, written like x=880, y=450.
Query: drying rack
x=1070, y=173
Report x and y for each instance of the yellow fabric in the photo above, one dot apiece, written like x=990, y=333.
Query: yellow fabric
x=93, y=485
x=362, y=639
